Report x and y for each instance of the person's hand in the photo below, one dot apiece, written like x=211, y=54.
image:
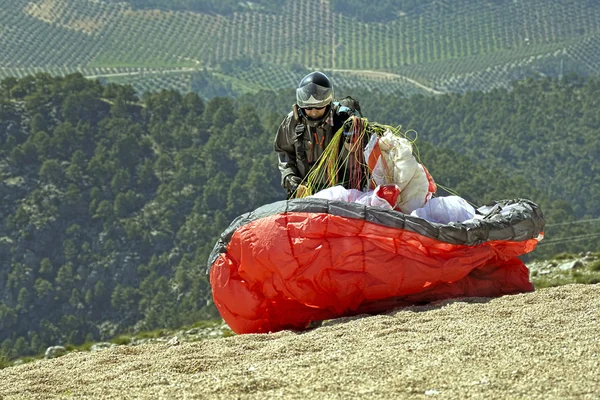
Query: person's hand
x=293, y=182
x=296, y=187
x=302, y=191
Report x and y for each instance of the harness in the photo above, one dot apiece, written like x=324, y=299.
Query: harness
x=301, y=128
x=298, y=141
x=340, y=114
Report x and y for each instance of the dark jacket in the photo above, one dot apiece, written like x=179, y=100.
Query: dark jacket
x=315, y=140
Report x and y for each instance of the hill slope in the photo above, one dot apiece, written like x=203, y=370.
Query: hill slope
x=538, y=345
x=437, y=46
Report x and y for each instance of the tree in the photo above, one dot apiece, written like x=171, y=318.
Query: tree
x=42, y=142
x=17, y=157
x=76, y=300
x=83, y=106
x=30, y=154
x=216, y=191
x=8, y=317
x=64, y=141
x=21, y=346
x=7, y=348
x=100, y=168
x=18, y=277
x=76, y=168
x=104, y=211
x=221, y=113
x=52, y=172
x=159, y=106
x=120, y=181
x=74, y=201
x=65, y=277
x=125, y=203
x=124, y=299
x=6, y=86
x=24, y=299
x=43, y=289
x=36, y=345
x=127, y=149
x=38, y=124
x=74, y=329
x=48, y=332
x=147, y=181
x=70, y=250
x=163, y=164
x=193, y=105
x=99, y=290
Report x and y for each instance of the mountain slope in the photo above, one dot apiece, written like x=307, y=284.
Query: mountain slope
x=537, y=345
x=436, y=46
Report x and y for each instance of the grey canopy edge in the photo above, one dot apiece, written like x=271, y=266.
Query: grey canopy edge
x=510, y=220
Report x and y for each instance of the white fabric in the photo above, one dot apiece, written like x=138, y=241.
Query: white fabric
x=340, y=193
x=398, y=166
x=442, y=210
x=445, y=210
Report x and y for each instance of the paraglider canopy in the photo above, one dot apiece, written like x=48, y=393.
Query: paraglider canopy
x=292, y=262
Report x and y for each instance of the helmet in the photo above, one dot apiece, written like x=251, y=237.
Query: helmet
x=314, y=90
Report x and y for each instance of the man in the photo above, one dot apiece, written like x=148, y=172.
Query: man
x=307, y=130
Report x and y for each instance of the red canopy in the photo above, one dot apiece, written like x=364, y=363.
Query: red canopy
x=281, y=269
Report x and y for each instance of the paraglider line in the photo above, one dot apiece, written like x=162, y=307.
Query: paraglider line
x=571, y=239
x=573, y=222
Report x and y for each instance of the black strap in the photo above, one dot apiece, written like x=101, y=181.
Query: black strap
x=300, y=152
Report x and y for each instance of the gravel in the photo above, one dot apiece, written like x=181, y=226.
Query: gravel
x=540, y=345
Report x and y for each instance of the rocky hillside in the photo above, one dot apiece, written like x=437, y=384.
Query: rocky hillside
x=564, y=269
x=540, y=345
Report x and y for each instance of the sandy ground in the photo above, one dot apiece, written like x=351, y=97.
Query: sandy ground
x=541, y=345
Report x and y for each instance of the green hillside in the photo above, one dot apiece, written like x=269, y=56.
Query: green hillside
x=112, y=203
x=396, y=46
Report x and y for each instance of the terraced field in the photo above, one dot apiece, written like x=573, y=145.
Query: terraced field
x=442, y=46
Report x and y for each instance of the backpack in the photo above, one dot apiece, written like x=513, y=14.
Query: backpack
x=350, y=103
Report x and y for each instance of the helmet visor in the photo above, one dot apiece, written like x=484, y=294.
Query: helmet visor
x=313, y=95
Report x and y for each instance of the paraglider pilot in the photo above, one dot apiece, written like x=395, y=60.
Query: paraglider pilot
x=306, y=131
